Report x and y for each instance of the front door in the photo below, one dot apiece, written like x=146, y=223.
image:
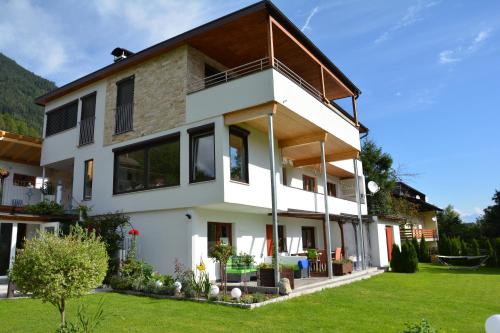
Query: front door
x=389, y=237
x=5, y=247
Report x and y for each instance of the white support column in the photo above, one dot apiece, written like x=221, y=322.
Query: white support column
x=327, y=213
x=272, y=169
x=360, y=219
x=13, y=243
x=43, y=182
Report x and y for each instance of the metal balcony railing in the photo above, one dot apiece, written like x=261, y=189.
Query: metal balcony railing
x=124, y=118
x=250, y=68
x=87, y=131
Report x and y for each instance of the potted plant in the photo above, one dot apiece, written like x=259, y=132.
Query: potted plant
x=265, y=275
x=342, y=267
x=48, y=191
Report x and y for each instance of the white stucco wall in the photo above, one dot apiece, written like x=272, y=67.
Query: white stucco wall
x=378, y=239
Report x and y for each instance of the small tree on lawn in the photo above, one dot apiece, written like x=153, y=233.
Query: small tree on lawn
x=221, y=253
x=444, y=246
x=492, y=260
x=409, y=259
x=55, y=269
x=396, y=258
x=423, y=251
x=464, y=249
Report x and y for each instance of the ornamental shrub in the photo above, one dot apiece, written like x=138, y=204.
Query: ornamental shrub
x=492, y=260
x=423, y=251
x=455, y=246
x=444, y=246
x=55, y=269
x=44, y=208
x=416, y=246
x=475, y=248
x=464, y=248
x=497, y=250
x=422, y=326
x=396, y=258
x=409, y=258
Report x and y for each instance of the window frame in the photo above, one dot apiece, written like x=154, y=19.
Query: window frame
x=219, y=225
x=309, y=228
x=83, y=117
x=59, y=109
x=243, y=134
x=144, y=146
x=85, y=168
x=200, y=132
x=304, y=181
x=117, y=105
x=334, y=186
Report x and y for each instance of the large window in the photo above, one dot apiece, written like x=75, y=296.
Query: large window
x=308, y=238
x=23, y=180
x=218, y=233
x=148, y=165
x=87, y=179
x=201, y=153
x=309, y=183
x=124, y=105
x=62, y=118
x=238, y=154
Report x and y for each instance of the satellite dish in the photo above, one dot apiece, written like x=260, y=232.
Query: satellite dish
x=373, y=187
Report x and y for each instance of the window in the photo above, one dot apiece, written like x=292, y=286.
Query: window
x=218, y=233
x=309, y=183
x=87, y=119
x=62, y=118
x=284, y=180
x=148, y=165
x=87, y=179
x=124, y=105
x=209, y=70
x=23, y=180
x=308, y=239
x=238, y=154
x=331, y=189
x=281, y=239
x=201, y=153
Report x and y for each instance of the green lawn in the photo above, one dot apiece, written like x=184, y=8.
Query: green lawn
x=458, y=301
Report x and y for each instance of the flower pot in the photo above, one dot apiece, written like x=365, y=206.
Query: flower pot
x=265, y=276
x=342, y=269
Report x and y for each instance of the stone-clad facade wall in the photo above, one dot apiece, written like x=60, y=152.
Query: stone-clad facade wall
x=160, y=90
x=159, y=96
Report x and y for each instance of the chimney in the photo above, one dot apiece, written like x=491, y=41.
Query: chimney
x=121, y=54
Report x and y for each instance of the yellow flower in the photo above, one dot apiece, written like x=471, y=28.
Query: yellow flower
x=201, y=267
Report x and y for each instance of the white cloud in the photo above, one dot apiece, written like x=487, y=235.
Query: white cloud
x=461, y=52
x=412, y=15
x=156, y=19
x=306, y=25
x=30, y=34
x=478, y=211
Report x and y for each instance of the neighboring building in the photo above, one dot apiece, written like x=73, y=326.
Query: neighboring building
x=425, y=221
x=177, y=137
x=20, y=156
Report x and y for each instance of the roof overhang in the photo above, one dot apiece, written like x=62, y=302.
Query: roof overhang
x=20, y=149
x=256, y=14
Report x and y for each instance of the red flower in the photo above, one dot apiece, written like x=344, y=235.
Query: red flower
x=134, y=232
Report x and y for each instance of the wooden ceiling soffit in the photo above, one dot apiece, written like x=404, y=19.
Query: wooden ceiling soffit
x=248, y=114
x=345, y=155
x=303, y=140
x=299, y=44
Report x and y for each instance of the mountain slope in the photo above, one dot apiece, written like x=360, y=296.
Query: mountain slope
x=18, y=89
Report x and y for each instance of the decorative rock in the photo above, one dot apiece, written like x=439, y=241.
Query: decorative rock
x=236, y=293
x=178, y=287
x=214, y=290
x=284, y=286
x=493, y=324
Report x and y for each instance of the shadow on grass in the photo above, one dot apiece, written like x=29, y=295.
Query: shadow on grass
x=441, y=269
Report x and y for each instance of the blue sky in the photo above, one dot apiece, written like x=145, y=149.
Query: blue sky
x=429, y=70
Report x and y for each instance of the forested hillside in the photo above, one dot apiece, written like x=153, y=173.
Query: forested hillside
x=18, y=88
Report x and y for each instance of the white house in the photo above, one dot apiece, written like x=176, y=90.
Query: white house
x=20, y=166
x=182, y=137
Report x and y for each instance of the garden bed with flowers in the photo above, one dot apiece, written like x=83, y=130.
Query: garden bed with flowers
x=137, y=277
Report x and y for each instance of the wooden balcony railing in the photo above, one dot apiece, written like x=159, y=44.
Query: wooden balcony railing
x=87, y=131
x=409, y=233
x=124, y=118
